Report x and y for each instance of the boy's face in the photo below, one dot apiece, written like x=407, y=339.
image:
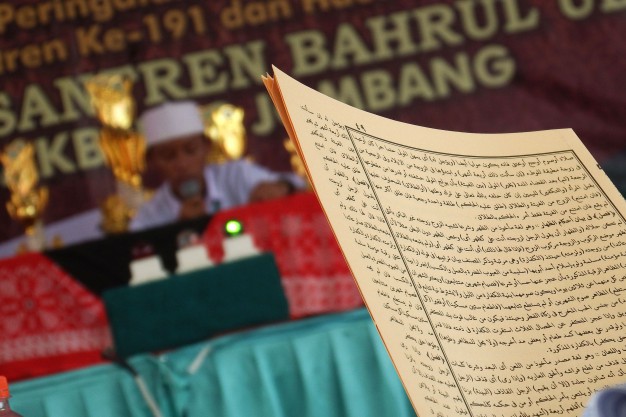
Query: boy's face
x=180, y=160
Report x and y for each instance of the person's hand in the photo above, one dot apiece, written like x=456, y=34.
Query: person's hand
x=191, y=208
x=270, y=190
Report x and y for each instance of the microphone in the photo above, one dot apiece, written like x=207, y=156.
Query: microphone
x=189, y=189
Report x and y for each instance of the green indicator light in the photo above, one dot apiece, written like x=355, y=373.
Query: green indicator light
x=233, y=227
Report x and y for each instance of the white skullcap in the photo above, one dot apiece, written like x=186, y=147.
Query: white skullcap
x=171, y=121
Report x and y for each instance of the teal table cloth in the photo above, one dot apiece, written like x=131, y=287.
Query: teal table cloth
x=328, y=366
x=97, y=391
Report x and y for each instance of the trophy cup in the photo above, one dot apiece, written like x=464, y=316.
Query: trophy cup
x=225, y=129
x=28, y=201
x=123, y=147
x=296, y=162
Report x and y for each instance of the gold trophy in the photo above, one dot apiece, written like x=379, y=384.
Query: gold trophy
x=225, y=129
x=124, y=148
x=296, y=162
x=28, y=201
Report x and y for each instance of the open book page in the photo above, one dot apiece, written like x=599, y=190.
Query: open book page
x=494, y=266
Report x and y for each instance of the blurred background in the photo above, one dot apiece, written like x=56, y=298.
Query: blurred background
x=473, y=66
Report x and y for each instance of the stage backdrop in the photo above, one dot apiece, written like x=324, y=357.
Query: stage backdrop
x=468, y=65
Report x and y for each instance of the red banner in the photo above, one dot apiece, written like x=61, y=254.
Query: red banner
x=471, y=65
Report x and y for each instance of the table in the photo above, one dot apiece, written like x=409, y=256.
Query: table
x=333, y=365
x=315, y=275
x=55, y=321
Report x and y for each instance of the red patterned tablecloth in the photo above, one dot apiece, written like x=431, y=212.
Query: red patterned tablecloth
x=314, y=273
x=48, y=321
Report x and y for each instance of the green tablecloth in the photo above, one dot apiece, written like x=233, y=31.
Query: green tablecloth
x=333, y=365
x=196, y=305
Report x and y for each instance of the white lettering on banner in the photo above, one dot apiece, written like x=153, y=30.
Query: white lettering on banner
x=211, y=72
x=14, y=15
x=378, y=90
x=411, y=37
x=405, y=33
x=54, y=156
x=582, y=9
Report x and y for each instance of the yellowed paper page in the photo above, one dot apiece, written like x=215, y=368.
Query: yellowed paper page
x=492, y=265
